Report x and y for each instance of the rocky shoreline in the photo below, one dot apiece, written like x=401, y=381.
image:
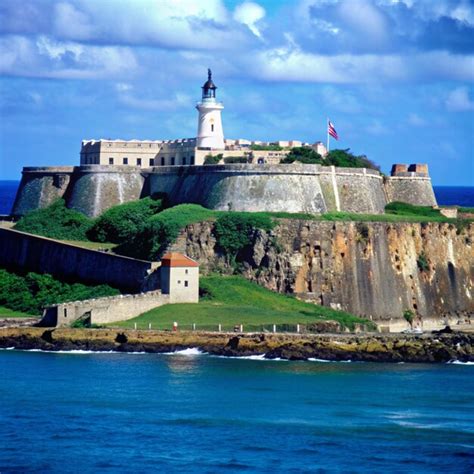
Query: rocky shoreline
x=429, y=348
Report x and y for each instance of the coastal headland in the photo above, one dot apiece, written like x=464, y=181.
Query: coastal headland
x=426, y=348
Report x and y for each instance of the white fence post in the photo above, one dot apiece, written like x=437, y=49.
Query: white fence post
x=220, y=327
x=135, y=325
x=194, y=326
x=274, y=328
x=297, y=328
x=241, y=328
x=149, y=325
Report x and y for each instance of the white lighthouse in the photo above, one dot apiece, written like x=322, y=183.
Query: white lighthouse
x=210, y=133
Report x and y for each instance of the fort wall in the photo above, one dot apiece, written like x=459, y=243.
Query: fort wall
x=26, y=252
x=314, y=189
x=103, y=310
x=95, y=189
x=40, y=187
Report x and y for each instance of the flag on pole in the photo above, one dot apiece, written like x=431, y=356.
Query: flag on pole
x=332, y=131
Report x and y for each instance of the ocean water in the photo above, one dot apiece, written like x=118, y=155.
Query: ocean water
x=140, y=413
x=445, y=195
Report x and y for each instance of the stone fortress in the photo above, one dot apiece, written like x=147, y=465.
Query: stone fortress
x=250, y=178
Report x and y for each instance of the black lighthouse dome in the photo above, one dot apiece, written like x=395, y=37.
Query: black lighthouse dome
x=209, y=88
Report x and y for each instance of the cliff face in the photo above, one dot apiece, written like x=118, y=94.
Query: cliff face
x=377, y=270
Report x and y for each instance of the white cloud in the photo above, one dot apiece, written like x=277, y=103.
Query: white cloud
x=69, y=22
x=363, y=17
x=250, y=14
x=458, y=100
x=291, y=63
x=44, y=57
x=459, y=10
x=415, y=120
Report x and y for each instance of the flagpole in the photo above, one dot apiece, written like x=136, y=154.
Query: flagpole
x=327, y=131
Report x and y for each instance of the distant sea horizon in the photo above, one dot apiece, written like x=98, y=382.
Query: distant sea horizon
x=445, y=195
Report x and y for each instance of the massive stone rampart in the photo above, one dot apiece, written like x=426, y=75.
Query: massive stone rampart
x=374, y=269
x=313, y=189
x=27, y=252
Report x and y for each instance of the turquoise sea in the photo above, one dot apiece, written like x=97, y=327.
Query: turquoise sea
x=140, y=413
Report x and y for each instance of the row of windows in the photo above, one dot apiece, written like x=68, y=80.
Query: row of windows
x=151, y=161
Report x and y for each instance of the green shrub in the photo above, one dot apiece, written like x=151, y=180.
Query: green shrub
x=235, y=231
x=160, y=230
x=213, y=159
x=266, y=147
x=235, y=159
x=422, y=262
x=304, y=155
x=346, y=159
x=341, y=158
x=119, y=223
x=31, y=293
x=56, y=221
x=409, y=316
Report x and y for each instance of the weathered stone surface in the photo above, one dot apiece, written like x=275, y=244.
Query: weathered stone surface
x=370, y=269
x=313, y=189
x=20, y=251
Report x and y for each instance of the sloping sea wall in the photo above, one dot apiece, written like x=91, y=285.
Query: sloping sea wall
x=313, y=189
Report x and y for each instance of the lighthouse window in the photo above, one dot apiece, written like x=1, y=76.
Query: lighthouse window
x=162, y=161
x=139, y=161
x=111, y=161
x=125, y=161
x=212, y=127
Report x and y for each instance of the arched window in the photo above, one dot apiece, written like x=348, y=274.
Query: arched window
x=212, y=127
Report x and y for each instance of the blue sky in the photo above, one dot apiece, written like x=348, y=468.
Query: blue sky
x=394, y=76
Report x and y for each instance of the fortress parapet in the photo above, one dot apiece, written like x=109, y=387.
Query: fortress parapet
x=410, y=171
x=410, y=184
x=313, y=189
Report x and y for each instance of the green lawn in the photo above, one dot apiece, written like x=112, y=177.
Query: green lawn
x=9, y=313
x=91, y=245
x=232, y=300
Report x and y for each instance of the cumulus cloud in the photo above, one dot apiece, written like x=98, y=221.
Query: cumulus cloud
x=249, y=14
x=291, y=63
x=44, y=57
x=458, y=100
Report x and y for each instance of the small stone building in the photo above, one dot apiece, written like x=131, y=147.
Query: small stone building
x=179, y=276
x=179, y=283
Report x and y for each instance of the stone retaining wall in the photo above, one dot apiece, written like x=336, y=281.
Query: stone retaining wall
x=103, y=310
x=27, y=252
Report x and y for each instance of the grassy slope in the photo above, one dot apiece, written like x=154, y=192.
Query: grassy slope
x=91, y=245
x=186, y=214
x=9, y=313
x=233, y=300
